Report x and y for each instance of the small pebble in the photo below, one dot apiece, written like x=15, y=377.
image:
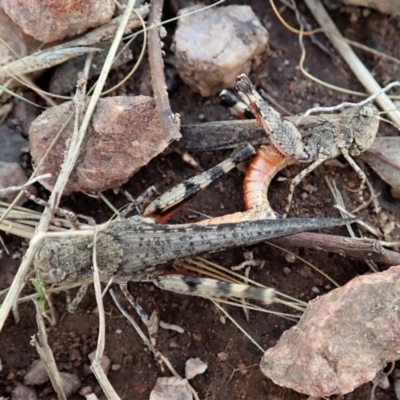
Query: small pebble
x=353, y=18
x=366, y=12
x=193, y=367
x=290, y=258
x=306, y=272
x=287, y=271
x=304, y=195
x=70, y=383
x=74, y=355
x=140, y=388
x=36, y=374
x=243, y=369
x=318, y=279
x=351, y=184
x=222, y=356
x=85, y=390
x=22, y=392
x=17, y=255
x=197, y=337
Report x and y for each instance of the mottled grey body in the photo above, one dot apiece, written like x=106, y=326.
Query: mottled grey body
x=131, y=249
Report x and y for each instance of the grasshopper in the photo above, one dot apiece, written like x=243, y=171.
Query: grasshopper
x=295, y=139
x=349, y=133
x=133, y=249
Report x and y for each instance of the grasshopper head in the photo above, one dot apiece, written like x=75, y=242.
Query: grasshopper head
x=365, y=127
x=51, y=263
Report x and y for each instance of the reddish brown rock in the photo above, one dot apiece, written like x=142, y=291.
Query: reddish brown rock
x=12, y=34
x=342, y=340
x=124, y=135
x=53, y=20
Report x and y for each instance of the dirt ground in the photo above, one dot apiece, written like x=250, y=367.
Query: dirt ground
x=237, y=376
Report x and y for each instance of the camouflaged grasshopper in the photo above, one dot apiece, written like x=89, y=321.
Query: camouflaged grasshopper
x=133, y=249
x=349, y=133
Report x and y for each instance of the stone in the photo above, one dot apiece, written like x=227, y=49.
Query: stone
x=49, y=21
x=342, y=340
x=124, y=135
x=213, y=46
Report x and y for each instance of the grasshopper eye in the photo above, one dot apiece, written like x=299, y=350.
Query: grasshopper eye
x=366, y=114
x=50, y=252
x=57, y=275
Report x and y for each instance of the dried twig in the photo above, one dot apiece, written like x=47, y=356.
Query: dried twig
x=359, y=248
x=30, y=182
x=170, y=122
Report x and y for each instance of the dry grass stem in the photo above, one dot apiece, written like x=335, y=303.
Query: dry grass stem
x=339, y=201
x=254, y=307
x=237, y=325
x=46, y=355
x=307, y=263
x=96, y=363
x=359, y=104
x=372, y=51
x=26, y=81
